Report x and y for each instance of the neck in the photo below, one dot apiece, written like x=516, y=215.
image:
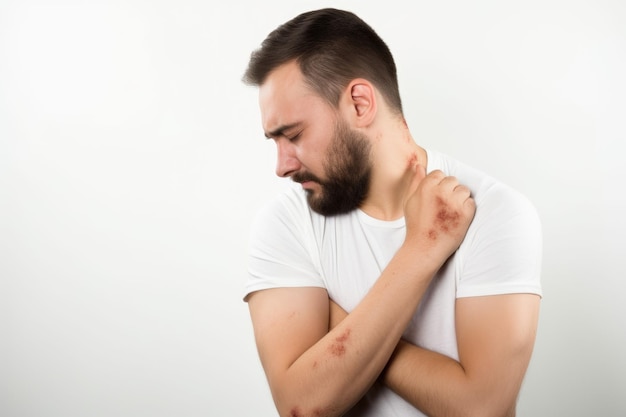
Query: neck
x=394, y=157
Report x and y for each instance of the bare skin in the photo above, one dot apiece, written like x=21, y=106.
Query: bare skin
x=299, y=352
x=320, y=361
x=494, y=358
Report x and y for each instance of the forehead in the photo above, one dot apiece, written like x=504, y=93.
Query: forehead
x=285, y=98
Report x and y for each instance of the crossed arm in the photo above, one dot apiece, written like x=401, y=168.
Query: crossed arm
x=319, y=361
x=314, y=370
x=495, y=337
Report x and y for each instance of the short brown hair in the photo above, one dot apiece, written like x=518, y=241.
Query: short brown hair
x=332, y=48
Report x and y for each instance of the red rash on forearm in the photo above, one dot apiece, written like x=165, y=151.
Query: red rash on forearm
x=338, y=348
x=295, y=412
x=317, y=412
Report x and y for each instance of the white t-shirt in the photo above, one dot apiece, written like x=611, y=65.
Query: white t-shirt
x=292, y=246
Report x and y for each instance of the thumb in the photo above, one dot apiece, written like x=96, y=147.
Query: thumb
x=419, y=173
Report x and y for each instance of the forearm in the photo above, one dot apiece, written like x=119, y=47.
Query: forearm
x=439, y=386
x=324, y=373
x=495, y=337
x=334, y=373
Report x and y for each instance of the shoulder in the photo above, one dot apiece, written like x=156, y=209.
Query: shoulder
x=286, y=223
x=494, y=199
x=502, y=250
x=287, y=209
x=281, y=246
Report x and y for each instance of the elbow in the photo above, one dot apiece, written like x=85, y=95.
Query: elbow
x=316, y=411
x=310, y=406
x=296, y=400
x=307, y=406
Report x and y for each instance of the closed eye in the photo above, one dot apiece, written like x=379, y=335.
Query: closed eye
x=294, y=137
x=284, y=130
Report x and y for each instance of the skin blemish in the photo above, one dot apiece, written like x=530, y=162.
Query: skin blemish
x=318, y=412
x=446, y=218
x=412, y=160
x=295, y=412
x=338, y=347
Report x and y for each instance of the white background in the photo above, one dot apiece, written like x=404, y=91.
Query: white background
x=132, y=160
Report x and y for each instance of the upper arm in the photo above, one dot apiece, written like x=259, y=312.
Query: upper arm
x=287, y=322
x=497, y=311
x=495, y=338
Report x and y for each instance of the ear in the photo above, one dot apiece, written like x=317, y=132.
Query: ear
x=362, y=104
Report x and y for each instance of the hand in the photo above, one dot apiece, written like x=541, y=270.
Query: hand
x=438, y=212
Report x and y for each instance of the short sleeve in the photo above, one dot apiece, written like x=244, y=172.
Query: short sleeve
x=281, y=246
x=503, y=248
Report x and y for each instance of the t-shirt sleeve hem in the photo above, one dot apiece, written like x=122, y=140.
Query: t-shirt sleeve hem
x=509, y=289
x=264, y=286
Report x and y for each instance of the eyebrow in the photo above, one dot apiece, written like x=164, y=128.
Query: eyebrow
x=280, y=131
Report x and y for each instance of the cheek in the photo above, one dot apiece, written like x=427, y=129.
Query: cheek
x=313, y=158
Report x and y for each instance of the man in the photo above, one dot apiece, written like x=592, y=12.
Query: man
x=394, y=280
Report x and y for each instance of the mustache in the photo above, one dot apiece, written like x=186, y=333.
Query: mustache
x=301, y=177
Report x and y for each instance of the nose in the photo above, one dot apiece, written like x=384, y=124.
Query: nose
x=287, y=162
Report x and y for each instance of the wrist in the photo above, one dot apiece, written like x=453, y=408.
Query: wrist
x=429, y=257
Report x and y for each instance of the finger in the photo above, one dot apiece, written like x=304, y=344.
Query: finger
x=470, y=205
x=462, y=190
x=419, y=173
x=450, y=182
x=437, y=173
x=435, y=177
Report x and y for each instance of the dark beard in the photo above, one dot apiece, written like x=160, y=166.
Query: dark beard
x=348, y=170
